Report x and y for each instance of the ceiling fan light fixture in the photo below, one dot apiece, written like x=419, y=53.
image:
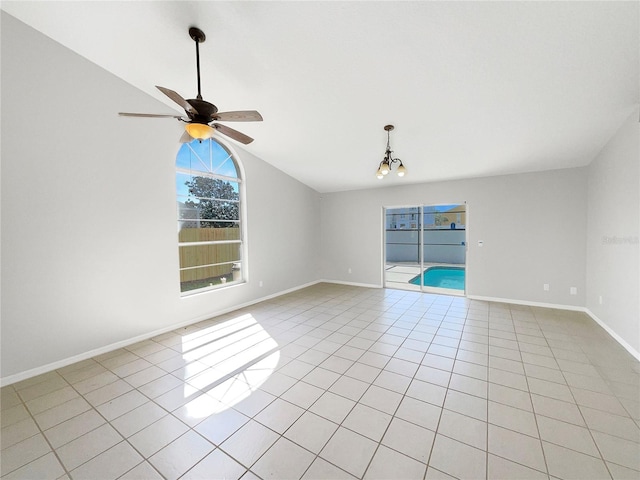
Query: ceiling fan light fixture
x=199, y=131
x=387, y=163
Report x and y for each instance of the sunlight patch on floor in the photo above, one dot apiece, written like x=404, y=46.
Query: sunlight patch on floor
x=240, y=355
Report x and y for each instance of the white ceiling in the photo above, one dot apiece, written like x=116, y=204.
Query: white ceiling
x=473, y=88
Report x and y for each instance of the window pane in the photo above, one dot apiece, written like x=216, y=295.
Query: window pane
x=190, y=233
x=445, y=216
x=222, y=213
x=206, y=187
x=402, y=218
x=197, y=255
x=206, y=156
x=210, y=276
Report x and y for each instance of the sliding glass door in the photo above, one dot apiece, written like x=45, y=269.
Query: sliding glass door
x=403, y=247
x=425, y=248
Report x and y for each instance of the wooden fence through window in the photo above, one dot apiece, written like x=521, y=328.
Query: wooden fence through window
x=192, y=256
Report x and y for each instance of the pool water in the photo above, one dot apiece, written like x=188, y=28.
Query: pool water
x=441, y=277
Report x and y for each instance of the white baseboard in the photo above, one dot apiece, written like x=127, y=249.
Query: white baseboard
x=527, y=303
x=352, y=284
x=17, y=377
x=614, y=335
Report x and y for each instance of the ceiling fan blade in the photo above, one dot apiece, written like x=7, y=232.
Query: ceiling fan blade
x=178, y=99
x=240, y=116
x=151, y=115
x=231, y=133
x=185, y=138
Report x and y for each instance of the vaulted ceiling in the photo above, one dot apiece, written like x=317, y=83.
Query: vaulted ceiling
x=473, y=88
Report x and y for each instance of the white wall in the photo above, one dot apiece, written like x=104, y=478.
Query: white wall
x=613, y=271
x=89, y=243
x=533, y=227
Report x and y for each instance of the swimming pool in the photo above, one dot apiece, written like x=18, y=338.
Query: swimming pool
x=441, y=277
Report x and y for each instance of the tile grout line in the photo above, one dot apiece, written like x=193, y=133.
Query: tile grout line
x=355, y=404
x=581, y=415
x=535, y=417
x=341, y=424
x=394, y=416
x=317, y=455
x=435, y=435
x=124, y=439
x=55, y=453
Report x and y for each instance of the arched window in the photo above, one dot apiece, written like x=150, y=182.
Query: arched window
x=210, y=238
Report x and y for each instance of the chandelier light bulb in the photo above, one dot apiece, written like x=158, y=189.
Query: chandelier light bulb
x=401, y=171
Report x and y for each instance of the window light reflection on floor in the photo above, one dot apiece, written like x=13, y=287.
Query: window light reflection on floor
x=233, y=359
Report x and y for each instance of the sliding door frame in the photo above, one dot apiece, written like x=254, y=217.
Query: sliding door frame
x=421, y=245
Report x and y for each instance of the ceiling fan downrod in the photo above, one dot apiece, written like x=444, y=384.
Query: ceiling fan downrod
x=198, y=36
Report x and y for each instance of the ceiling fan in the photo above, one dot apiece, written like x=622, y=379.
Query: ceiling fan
x=201, y=116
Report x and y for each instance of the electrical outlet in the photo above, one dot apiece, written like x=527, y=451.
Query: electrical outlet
x=260, y=283
x=545, y=287
x=573, y=291
x=600, y=299
x=349, y=271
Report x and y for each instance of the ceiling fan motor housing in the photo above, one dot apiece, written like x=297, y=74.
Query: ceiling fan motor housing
x=204, y=109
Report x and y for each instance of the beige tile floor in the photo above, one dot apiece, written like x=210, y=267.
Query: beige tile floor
x=340, y=382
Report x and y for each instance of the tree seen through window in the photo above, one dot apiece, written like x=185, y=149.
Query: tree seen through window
x=212, y=199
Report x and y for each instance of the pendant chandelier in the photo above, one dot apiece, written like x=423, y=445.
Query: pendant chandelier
x=387, y=163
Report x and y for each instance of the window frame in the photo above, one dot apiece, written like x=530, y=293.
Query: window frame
x=241, y=223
